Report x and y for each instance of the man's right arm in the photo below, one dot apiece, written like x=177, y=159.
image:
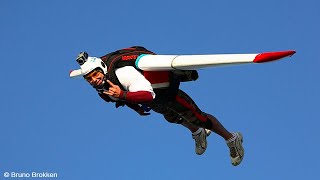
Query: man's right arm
x=138, y=88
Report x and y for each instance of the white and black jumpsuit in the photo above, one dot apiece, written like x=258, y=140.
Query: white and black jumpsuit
x=156, y=89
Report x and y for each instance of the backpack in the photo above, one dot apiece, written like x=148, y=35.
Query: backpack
x=128, y=56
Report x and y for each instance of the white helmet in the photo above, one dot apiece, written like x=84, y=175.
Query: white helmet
x=91, y=64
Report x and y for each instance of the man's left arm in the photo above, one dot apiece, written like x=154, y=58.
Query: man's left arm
x=135, y=107
x=137, y=97
x=138, y=88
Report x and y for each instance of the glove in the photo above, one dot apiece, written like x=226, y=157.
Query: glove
x=145, y=108
x=120, y=103
x=142, y=112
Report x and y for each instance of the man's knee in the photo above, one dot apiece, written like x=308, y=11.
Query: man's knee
x=174, y=118
x=203, y=122
x=207, y=124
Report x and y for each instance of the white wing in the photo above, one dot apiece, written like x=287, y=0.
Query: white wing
x=149, y=62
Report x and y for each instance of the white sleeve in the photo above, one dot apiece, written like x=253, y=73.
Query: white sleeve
x=133, y=81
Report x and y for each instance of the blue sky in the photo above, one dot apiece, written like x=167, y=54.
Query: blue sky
x=50, y=123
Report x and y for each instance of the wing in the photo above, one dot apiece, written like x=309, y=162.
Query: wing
x=148, y=62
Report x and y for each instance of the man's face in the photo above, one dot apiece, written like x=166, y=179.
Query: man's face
x=95, y=78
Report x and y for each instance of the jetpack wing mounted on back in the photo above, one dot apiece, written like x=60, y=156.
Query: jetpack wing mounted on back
x=148, y=62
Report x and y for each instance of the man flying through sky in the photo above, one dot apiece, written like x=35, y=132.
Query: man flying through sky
x=117, y=80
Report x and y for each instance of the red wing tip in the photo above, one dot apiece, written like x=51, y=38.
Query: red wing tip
x=272, y=56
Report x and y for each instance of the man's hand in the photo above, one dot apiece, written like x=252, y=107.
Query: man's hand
x=114, y=90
